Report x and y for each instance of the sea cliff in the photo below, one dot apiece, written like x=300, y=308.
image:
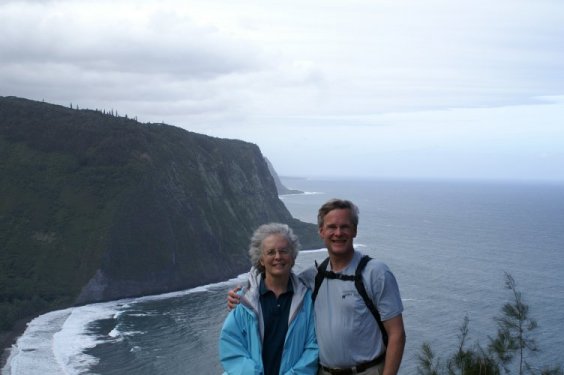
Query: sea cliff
x=96, y=206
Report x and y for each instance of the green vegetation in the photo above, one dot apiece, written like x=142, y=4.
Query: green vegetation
x=96, y=207
x=52, y=225
x=508, y=352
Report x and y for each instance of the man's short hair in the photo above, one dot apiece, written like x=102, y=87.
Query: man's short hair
x=335, y=204
x=266, y=230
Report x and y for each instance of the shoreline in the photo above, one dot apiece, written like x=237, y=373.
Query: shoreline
x=9, y=338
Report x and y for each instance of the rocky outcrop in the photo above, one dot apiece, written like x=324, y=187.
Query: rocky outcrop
x=101, y=207
x=282, y=190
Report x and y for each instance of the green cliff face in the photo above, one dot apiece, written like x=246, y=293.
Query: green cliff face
x=96, y=207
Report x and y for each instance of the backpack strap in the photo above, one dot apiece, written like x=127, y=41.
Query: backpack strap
x=358, y=283
x=319, y=276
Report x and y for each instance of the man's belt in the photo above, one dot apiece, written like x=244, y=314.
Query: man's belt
x=356, y=369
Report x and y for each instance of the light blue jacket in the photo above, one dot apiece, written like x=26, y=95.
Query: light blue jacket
x=240, y=341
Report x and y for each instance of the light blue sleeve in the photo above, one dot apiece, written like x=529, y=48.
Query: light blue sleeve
x=386, y=291
x=237, y=346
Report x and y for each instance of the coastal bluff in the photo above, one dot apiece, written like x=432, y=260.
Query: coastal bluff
x=97, y=207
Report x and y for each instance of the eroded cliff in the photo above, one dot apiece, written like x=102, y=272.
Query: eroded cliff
x=97, y=207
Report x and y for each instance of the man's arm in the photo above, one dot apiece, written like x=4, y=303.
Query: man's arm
x=396, y=343
x=233, y=298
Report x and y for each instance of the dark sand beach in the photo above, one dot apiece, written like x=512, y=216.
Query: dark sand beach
x=8, y=338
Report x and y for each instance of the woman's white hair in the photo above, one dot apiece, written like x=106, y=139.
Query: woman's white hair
x=266, y=230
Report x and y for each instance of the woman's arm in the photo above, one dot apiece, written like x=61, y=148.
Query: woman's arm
x=237, y=346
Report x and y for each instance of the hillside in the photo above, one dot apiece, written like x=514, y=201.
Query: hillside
x=96, y=207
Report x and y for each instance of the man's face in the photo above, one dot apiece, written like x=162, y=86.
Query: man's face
x=338, y=232
x=276, y=257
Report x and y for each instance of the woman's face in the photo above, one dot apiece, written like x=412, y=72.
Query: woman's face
x=276, y=256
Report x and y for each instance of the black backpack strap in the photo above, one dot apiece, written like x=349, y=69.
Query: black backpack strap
x=319, y=276
x=359, y=284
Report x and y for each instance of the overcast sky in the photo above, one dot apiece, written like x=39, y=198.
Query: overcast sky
x=347, y=88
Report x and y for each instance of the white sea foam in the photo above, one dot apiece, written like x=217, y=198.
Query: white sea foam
x=54, y=343
x=132, y=333
x=33, y=351
x=282, y=197
x=70, y=342
x=314, y=250
x=140, y=315
x=199, y=289
x=115, y=333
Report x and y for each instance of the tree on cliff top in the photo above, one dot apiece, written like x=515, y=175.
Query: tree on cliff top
x=506, y=352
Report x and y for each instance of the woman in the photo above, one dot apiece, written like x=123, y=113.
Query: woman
x=272, y=330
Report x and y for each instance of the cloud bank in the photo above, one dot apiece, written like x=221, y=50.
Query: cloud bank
x=422, y=89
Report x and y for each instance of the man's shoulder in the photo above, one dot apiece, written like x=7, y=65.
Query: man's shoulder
x=373, y=262
x=308, y=275
x=374, y=268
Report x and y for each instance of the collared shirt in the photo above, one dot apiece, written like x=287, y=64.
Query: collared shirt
x=347, y=332
x=275, y=312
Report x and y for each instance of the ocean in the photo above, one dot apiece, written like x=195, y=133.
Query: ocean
x=449, y=244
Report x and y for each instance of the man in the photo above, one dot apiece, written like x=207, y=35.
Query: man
x=350, y=340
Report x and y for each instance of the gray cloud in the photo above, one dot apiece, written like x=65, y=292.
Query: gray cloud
x=312, y=72
x=185, y=50
x=61, y=54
